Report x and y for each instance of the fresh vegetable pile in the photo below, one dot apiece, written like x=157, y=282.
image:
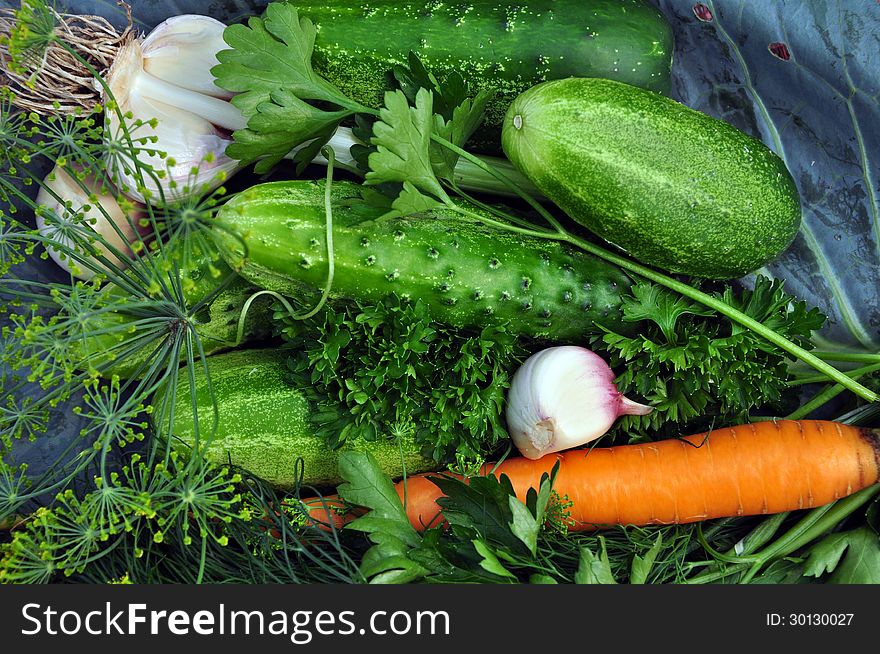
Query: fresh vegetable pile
x=416, y=294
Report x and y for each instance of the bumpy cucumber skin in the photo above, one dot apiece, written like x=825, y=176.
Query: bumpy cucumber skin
x=470, y=275
x=263, y=424
x=674, y=187
x=507, y=47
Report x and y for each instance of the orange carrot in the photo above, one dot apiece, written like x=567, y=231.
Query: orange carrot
x=752, y=469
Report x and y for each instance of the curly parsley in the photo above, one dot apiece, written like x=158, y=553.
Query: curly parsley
x=694, y=366
x=378, y=371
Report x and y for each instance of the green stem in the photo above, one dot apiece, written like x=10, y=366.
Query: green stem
x=813, y=525
x=819, y=400
x=761, y=534
x=824, y=396
x=474, y=177
x=749, y=544
x=202, y=558
x=328, y=285
x=504, y=179
x=712, y=577
x=728, y=311
x=489, y=209
x=533, y=233
x=818, y=379
x=816, y=523
x=852, y=357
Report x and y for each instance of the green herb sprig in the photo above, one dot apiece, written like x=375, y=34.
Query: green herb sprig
x=698, y=369
x=389, y=369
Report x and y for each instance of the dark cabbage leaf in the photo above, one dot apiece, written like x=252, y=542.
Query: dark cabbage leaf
x=804, y=77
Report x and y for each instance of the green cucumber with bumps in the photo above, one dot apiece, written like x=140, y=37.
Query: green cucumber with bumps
x=505, y=47
x=675, y=188
x=264, y=424
x=470, y=275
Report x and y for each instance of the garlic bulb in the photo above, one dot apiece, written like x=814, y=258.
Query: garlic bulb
x=100, y=216
x=167, y=77
x=563, y=397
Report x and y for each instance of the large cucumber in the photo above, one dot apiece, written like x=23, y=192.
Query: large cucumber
x=469, y=274
x=674, y=187
x=264, y=423
x=507, y=47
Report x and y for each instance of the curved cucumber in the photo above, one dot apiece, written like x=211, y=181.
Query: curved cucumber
x=675, y=188
x=264, y=424
x=470, y=275
x=507, y=47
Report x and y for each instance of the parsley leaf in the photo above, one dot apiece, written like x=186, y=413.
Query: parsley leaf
x=480, y=509
x=278, y=124
x=386, y=523
x=402, y=137
x=652, y=302
x=594, y=568
x=457, y=114
x=449, y=93
x=270, y=69
x=491, y=536
x=466, y=118
x=641, y=565
x=853, y=557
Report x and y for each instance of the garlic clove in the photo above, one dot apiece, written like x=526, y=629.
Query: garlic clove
x=183, y=49
x=100, y=216
x=563, y=397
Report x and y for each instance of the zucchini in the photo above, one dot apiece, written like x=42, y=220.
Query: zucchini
x=501, y=46
x=675, y=188
x=264, y=424
x=470, y=275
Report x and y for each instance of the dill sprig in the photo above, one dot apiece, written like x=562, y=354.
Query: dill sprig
x=115, y=500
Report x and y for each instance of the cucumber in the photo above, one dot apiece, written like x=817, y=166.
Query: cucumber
x=264, y=424
x=675, y=188
x=501, y=46
x=470, y=275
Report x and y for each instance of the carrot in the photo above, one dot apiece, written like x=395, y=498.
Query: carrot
x=751, y=469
